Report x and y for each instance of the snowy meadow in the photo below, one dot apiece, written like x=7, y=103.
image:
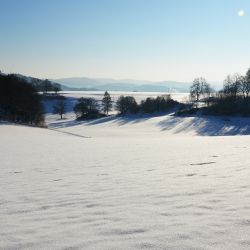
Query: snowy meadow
x=91, y=158
x=142, y=182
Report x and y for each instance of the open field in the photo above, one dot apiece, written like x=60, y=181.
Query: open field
x=125, y=183
x=118, y=166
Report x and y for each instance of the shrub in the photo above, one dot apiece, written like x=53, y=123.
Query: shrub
x=159, y=104
x=87, y=108
x=127, y=105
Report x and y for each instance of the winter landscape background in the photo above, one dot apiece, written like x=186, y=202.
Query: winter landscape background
x=124, y=125
x=119, y=183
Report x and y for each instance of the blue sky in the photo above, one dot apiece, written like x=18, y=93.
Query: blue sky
x=139, y=39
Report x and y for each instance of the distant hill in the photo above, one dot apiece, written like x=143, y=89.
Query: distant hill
x=34, y=81
x=84, y=83
x=66, y=88
x=129, y=85
x=77, y=82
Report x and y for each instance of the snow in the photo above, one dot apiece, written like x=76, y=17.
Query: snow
x=123, y=183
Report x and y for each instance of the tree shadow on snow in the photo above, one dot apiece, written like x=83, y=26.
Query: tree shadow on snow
x=112, y=119
x=119, y=120
x=65, y=124
x=126, y=119
x=207, y=125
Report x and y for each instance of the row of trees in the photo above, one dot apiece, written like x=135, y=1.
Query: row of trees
x=234, y=86
x=86, y=107
x=234, y=98
x=89, y=108
x=128, y=105
x=19, y=101
x=46, y=86
x=237, y=85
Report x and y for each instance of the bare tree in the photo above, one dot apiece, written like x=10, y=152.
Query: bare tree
x=199, y=88
x=246, y=84
x=233, y=85
x=60, y=108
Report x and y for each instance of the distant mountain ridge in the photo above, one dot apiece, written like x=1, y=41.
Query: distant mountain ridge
x=82, y=83
x=34, y=80
x=126, y=85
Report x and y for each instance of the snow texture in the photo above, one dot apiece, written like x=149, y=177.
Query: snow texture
x=126, y=183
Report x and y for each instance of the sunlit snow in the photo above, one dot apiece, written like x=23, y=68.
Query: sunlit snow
x=123, y=183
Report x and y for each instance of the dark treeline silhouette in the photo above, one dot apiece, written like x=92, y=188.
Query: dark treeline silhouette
x=234, y=98
x=89, y=108
x=46, y=86
x=19, y=101
x=128, y=105
x=159, y=104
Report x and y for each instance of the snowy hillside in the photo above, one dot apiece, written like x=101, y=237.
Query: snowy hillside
x=125, y=184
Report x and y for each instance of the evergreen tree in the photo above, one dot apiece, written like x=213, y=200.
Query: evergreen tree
x=106, y=103
x=19, y=101
x=233, y=85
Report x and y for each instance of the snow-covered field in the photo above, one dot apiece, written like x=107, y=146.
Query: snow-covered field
x=125, y=183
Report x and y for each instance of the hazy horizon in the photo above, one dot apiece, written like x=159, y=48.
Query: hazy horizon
x=143, y=40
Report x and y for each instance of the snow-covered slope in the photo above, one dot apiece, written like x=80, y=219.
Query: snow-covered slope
x=93, y=186
x=152, y=126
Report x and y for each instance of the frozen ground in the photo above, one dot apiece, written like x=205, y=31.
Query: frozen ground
x=125, y=183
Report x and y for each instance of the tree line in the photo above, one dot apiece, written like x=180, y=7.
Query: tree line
x=46, y=86
x=233, y=99
x=19, y=101
x=90, y=108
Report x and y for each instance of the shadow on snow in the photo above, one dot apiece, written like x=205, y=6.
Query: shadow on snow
x=207, y=125
x=201, y=125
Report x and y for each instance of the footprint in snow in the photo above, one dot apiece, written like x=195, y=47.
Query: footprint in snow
x=202, y=163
